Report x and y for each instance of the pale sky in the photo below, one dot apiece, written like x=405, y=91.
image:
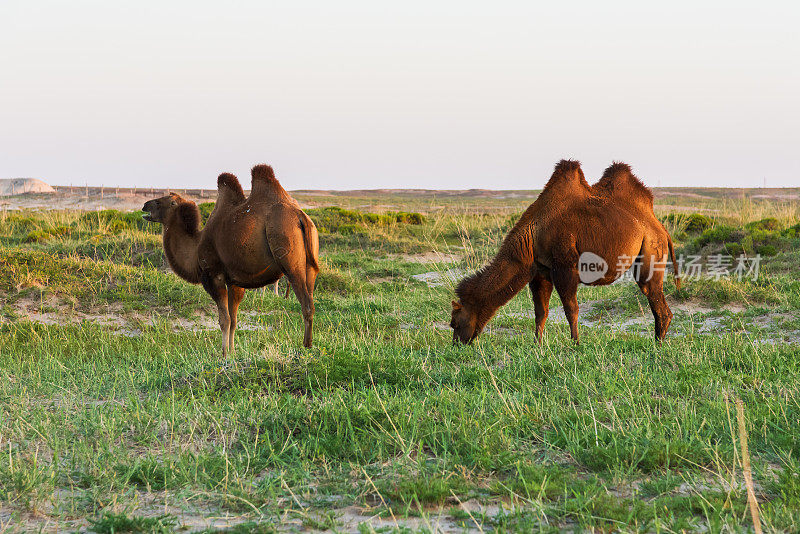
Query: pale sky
x=368, y=94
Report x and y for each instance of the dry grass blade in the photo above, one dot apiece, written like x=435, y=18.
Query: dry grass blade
x=748, y=474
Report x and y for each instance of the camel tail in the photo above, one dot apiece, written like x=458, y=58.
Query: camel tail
x=311, y=239
x=674, y=263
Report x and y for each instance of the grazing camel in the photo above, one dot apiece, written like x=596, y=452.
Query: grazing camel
x=573, y=233
x=246, y=243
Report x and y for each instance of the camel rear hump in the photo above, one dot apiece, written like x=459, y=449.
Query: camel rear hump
x=619, y=182
x=266, y=187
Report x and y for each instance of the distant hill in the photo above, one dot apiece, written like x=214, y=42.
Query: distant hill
x=17, y=186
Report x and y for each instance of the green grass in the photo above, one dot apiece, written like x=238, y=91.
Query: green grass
x=142, y=427
x=110, y=523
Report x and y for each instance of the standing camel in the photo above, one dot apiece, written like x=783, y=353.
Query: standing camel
x=246, y=243
x=570, y=225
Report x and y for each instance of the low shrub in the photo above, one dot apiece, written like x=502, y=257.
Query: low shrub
x=334, y=219
x=792, y=231
x=40, y=236
x=692, y=223
x=37, y=236
x=769, y=224
x=719, y=235
x=766, y=250
x=734, y=249
x=759, y=237
x=205, y=210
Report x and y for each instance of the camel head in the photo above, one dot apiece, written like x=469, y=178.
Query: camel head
x=158, y=210
x=464, y=322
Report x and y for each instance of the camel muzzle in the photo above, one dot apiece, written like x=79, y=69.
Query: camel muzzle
x=148, y=212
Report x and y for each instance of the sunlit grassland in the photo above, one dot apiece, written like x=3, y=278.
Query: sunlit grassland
x=148, y=429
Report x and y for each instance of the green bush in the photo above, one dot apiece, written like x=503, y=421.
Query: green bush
x=718, y=235
x=792, y=231
x=205, y=210
x=334, y=219
x=698, y=223
x=694, y=222
x=22, y=223
x=762, y=237
x=37, y=236
x=769, y=224
x=766, y=250
x=734, y=249
x=407, y=218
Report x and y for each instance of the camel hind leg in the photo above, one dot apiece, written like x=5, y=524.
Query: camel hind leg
x=650, y=278
x=311, y=280
x=298, y=282
x=301, y=279
x=565, y=279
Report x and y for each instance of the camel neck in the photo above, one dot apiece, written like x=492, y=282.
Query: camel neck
x=180, y=247
x=497, y=284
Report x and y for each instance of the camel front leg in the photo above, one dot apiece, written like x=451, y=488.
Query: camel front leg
x=541, y=289
x=215, y=286
x=565, y=279
x=235, y=296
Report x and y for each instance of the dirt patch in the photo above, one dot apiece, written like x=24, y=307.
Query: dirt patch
x=191, y=517
x=703, y=319
x=694, y=307
x=440, y=278
x=53, y=311
x=426, y=257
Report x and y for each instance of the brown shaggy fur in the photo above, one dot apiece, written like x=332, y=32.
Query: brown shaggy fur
x=619, y=181
x=246, y=243
x=613, y=219
x=622, y=186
